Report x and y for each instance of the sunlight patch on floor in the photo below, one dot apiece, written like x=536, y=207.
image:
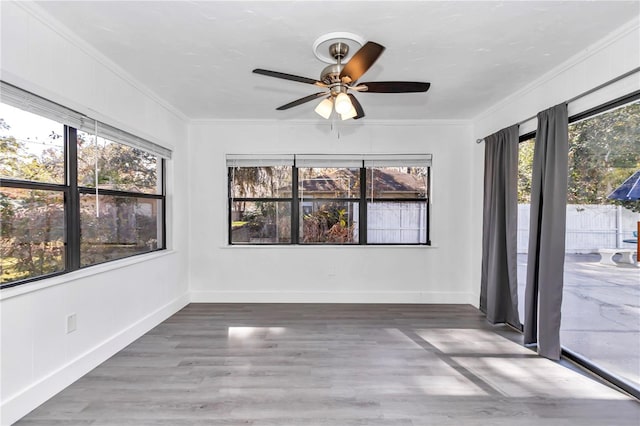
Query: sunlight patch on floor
x=538, y=377
x=470, y=341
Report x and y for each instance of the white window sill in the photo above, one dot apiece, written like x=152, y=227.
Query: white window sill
x=89, y=271
x=327, y=246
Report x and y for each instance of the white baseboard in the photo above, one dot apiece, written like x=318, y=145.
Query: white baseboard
x=475, y=300
x=20, y=404
x=332, y=297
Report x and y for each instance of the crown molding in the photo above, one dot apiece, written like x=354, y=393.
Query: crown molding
x=38, y=13
x=573, y=61
x=328, y=123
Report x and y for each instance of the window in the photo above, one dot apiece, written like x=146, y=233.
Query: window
x=125, y=216
x=73, y=192
x=397, y=201
x=323, y=199
x=600, y=321
x=260, y=201
x=329, y=198
x=599, y=326
x=32, y=233
x=525, y=175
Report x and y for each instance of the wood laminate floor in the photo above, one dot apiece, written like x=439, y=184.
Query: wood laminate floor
x=342, y=365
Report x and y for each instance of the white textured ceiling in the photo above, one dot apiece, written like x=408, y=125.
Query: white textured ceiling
x=198, y=55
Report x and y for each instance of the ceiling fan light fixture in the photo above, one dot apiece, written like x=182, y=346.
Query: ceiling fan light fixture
x=343, y=75
x=324, y=108
x=352, y=113
x=343, y=104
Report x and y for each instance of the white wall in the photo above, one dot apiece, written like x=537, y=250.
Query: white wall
x=116, y=302
x=609, y=58
x=613, y=56
x=331, y=274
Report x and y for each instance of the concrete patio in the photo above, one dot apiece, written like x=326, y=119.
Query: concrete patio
x=600, y=312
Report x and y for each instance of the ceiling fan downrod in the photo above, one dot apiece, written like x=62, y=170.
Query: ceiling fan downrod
x=331, y=73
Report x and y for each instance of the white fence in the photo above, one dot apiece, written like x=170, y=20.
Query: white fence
x=394, y=223
x=589, y=227
x=399, y=223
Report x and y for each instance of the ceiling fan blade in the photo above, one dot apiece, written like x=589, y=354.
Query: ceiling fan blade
x=361, y=61
x=291, y=77
x=395, y=86
x=301, y=101
x=357, y=106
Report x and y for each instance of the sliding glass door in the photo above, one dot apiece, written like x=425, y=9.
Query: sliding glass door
x=601, y=299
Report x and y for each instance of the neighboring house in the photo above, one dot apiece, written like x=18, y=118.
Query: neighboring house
x=341, y=183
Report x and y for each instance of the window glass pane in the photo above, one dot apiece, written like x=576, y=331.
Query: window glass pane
x=600, y=314
x=329, y=183
x=32, y=233
x=333, y=222
x=259, y=222
x=124, y=227
x=397, y=182
x=31, y=147
x=120, y=167
x=397, y=223
x=525, y=166
x=260, y=182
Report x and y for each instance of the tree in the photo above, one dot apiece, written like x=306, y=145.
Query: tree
x=525, y=170
x=119, y=166
x=32, y=227
x=603, y=152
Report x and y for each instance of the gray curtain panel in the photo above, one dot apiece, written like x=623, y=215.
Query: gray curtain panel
x=545, y=267
x=499, y=282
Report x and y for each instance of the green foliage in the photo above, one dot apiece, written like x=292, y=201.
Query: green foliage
x=525, y=168
x=32, y=233
x=258, y=182
x=7, y=213
x=252, y=180
x=265, y=221
x=11, y=159
x=603, y=152
x=634, y=206
x=119, y=166
x=329, y=224
x=32, y=221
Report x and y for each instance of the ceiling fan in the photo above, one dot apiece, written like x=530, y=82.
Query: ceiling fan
x=339, y=79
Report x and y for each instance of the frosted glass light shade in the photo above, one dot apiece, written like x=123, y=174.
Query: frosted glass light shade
x=324, y=108
x=343, y=103
x=350, y=114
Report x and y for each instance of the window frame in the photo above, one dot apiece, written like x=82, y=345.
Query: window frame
x=362, y=199
x=301, y=199
x=425, y=200
x=232, y=199
x=566, y=352
x=71, y=191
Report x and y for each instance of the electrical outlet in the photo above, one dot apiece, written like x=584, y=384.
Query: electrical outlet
x=72, y=323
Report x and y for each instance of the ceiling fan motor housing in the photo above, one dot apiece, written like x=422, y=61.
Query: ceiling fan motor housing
x=339, y=51
x=331, y=74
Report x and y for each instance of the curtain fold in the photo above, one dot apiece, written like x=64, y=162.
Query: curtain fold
x=499, y=282
x=545, y=263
